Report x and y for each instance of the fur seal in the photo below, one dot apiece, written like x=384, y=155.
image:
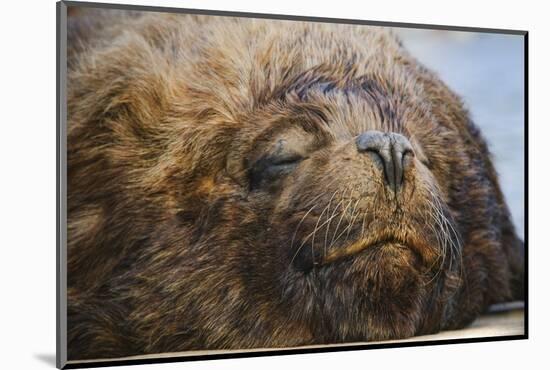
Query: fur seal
x=240, y=183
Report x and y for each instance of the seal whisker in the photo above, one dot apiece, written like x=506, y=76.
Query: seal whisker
x=456, y=244
x=327, y=208
x=300, y=223
x=328, y=226
x=435, y=215
x=440, y=258
x=355, y=213
x=348, y=228
x=310, y=234
x=342, y=214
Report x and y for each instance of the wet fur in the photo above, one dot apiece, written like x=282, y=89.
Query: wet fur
x=170, y=247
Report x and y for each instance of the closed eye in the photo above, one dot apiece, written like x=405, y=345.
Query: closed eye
x=267, y=171
x=281, y=160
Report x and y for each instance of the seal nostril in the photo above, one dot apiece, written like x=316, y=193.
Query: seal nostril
x=408, y=152
x=391, y=149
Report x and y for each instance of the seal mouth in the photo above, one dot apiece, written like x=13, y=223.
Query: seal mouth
x=357, y=247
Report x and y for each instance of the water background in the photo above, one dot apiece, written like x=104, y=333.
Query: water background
x=487, y=70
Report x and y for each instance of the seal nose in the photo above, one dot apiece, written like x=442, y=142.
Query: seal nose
x=391, y=148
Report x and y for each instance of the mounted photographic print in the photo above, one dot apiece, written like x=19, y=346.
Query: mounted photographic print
x=235, y=184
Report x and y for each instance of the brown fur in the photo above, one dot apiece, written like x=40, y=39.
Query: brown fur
x=172, y=243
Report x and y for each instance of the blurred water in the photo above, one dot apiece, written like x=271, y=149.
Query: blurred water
x=487, y=71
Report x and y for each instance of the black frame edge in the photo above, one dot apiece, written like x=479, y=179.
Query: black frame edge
x=526, y=181
x=286, y=352
x=287, y=17
x=61, y=171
